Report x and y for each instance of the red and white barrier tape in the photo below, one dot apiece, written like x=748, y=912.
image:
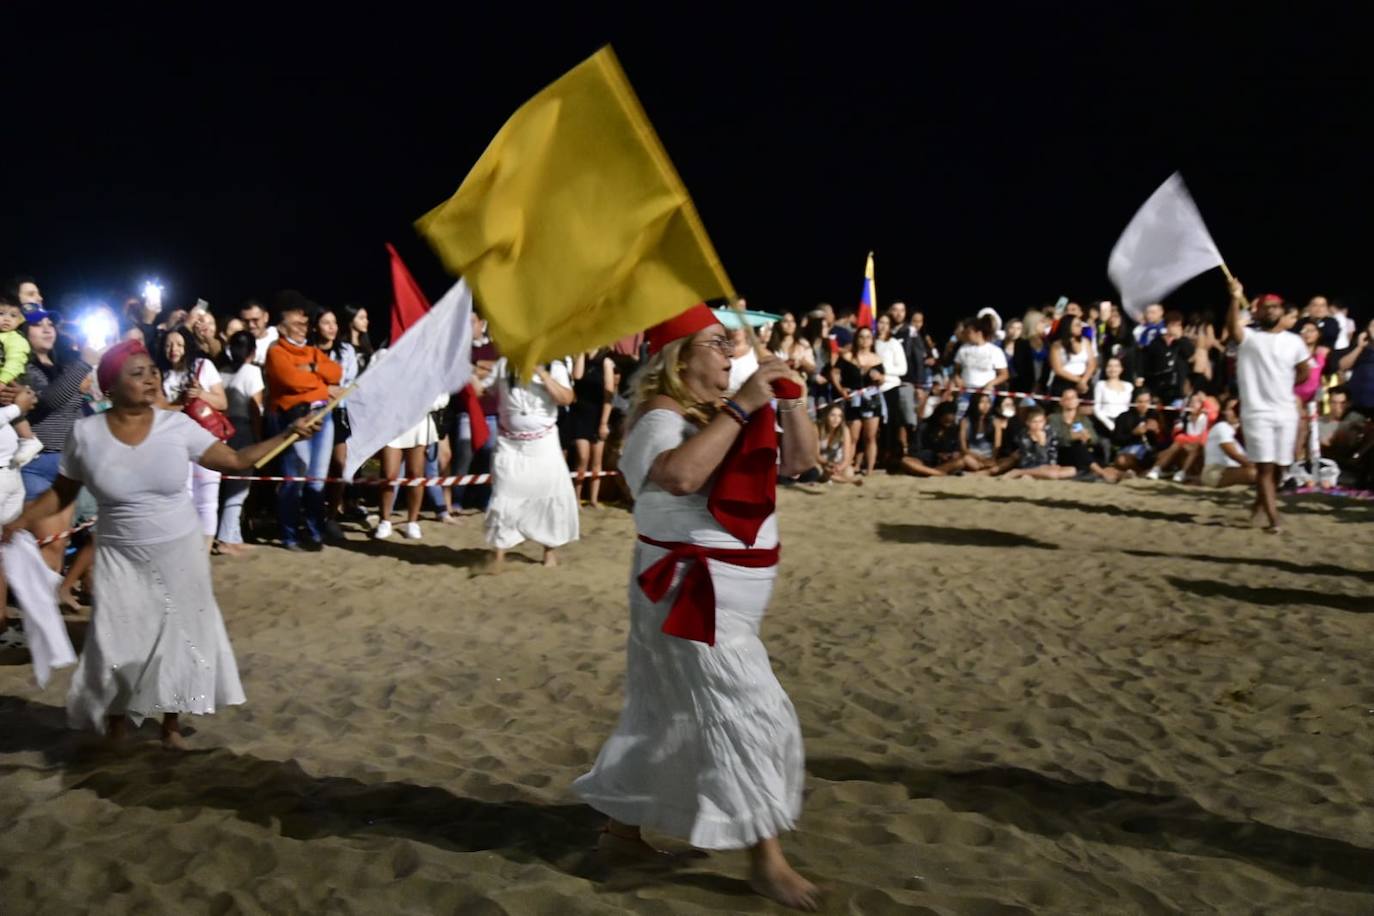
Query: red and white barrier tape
x=63, y=535
x=462, y=481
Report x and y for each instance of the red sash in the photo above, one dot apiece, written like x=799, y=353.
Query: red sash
x=693, y=614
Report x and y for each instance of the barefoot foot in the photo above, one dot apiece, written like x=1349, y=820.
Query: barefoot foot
x=779, y=882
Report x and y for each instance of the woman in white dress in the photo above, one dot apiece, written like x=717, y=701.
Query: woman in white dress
x=532, y=496
x=156, y=644
x=708, y=747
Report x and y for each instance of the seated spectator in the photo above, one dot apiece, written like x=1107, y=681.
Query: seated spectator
x=976, y=434
x=935, y=451
x=1077, y=438
x=1224, y=461
x=836, y=447
x=1190, y=433
x=1138, y=434
x=1037, y=451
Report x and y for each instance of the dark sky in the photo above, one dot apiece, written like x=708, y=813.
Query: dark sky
x=989, y=155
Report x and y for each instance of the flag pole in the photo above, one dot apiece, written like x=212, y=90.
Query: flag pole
x=1230, y=277
x=291, y=439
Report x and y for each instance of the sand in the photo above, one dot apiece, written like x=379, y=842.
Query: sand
x=1017, y=697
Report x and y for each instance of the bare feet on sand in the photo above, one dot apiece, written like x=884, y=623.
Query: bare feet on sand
x=172, y=739
x=622, y=841
x=550, y=557
x=771, y=876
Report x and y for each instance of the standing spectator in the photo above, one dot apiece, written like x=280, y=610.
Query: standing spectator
x=354, y=317
x=1225, y=463
x=893, y=355
x=1328, y=326
x=16, y=349
x=1037, y=325
x=593, y=399
x=409, y=451
x=1118, y=341
x=188, y=376
x=205, y=332
x=257, y=321
x=982, y=364
x=62, y=386
x=816, y=334
x=1020, y=359
x=856, y=376
x=1308, y=389
x=244, y=389
x=1269, y=363
x=1151, y=327
x=1341, y=313
x=11, y=483
x=842, y=327
x=1168, y=360
x=1072, y=363
x=325, y=336
x=1138, y=434
x=920, y=357
x=25, y=291
x=466, y=460
x=1112, y=395
x=300, y=379
x=1359, y=362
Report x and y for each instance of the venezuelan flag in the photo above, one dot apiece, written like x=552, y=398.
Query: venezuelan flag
x=868, y=301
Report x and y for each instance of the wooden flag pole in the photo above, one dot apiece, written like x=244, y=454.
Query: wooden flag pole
x=1230, y=277
x=291, y=439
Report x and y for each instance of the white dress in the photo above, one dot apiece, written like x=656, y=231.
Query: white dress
x=708, y=747
x=157, y=642
x=532, y=496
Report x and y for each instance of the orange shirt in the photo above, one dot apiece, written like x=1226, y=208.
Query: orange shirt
x=289, y=378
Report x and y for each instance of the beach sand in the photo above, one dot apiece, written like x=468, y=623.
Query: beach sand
x=1017, y=697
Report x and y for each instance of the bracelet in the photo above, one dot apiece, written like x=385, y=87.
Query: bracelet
x=790, y=404
x=734, y=411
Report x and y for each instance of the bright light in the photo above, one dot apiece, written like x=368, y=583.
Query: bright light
x=98, y=328
x=152, y=294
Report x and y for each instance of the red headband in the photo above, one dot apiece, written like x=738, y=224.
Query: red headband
x=113, y=361
x=1271, y=299
x=696, y=318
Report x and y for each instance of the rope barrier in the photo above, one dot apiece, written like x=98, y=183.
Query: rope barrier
x=461, y=481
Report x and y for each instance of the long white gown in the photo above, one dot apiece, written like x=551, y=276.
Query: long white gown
x=157, y=642
x=708, y=747
x=532, y=496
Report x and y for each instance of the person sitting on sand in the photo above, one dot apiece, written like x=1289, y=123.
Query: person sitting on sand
x=1077, y=438
x=1225, y=463
x=532, y=496
x=1190, y=433
x=1037, y=451
x=935, y=450
x=1138, y=434
x=708, y=746
x=156, y=643
x=976, y=434
x=836, y=447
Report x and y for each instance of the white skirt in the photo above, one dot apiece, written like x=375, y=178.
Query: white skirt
x=422, y=433
x=708, y=747
x=156, y=643
x=532, y=496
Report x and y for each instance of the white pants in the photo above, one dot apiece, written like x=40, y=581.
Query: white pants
x=11, y=495
x=1270, y=438
x=203, y=485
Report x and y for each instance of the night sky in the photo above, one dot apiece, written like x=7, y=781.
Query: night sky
x=990, y=156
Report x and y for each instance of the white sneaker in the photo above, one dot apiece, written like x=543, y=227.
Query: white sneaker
x=411, y=530
x=383, y=531
x=27, y=451
x=1179, y=477
x=1152, y=474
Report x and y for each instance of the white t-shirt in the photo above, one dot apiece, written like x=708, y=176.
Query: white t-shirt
x=741, y=367
x=174, y=381
x=980, y=363
x=894, y=361
x=528, y=407
x=1264, y=364
x=1110, y=403
x=140, y=490
x=263, y=342
x=240, y=387
x=9, y=440
x=1219, y=435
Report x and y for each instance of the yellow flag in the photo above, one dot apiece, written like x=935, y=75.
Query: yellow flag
x=574, y=229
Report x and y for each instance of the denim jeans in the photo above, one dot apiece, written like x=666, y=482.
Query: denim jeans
x=235, y=492
x=465, y=461
x=305, y=458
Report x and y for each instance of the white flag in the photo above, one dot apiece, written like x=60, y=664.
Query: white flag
x=433, y=357
x=1164, y=246
x=35, y=587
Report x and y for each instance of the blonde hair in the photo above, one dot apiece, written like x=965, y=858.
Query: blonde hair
x=662, y=375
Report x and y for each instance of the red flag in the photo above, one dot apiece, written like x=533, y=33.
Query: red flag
x=408, y=302
x=476, y=417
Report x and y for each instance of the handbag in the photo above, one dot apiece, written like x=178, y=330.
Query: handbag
x=216, y=423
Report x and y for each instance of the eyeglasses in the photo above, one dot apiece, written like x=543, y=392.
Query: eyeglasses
x=722, y=345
